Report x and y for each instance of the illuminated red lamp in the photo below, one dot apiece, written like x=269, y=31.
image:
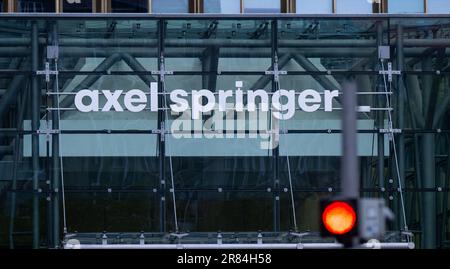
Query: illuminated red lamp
x=339, y=218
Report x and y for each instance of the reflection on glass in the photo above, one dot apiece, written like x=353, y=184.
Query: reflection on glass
x=77, y=6
x=406, y=6
x=354, y=6
x=36, y=6
x=170, y=6
x=222, y=6
x=125, y=6
x=257, y=6
x=314, y=7
x=438, y=6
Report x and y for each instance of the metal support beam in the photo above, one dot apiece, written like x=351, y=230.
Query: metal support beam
x=136, y=66
x=263, y=81
x=226, y=52
x=91, y=79
x=309, y=66
x=298, y=246
x=56, y=169
x=17, y=155
x=222, y=42
x=275, y=151
x=13, y=89
x=428, y=198
x=380, y=115
x=35, y=121
x=161, y=135
x=210, y=63
x=401, y=100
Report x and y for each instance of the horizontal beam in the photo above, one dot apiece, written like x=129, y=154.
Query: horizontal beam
x=71, y=245
x=140, y=52
x=222, y=42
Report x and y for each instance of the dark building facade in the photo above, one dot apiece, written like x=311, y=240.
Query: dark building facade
x=119, y=173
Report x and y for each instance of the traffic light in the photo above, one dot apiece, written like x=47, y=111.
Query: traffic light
x=352, y=221
x=339, y=219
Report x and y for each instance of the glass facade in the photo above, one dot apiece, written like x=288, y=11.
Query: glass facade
x=159, y=171
x=222, y=6
x=406, y=6
x=354, y=7
x=84, y=6
x=316, y=7
x=170, y=6
x=32, y=6
x=438, y=7
x=124, y=6
x=256, y=6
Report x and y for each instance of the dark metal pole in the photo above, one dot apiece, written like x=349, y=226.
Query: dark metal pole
x=161, y=119
x=429, y=197
x=349, y=162
x=55, y=154
x=380, y=118
x=35, y=112
x=21, y=112
x=275, y=151
x=401, y=111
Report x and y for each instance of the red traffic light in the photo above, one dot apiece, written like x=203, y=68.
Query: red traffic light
x=339, y=218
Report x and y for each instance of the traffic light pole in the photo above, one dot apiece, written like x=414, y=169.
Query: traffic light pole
x=349, y=160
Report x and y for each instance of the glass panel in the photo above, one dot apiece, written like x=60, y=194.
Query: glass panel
x=122, y=210
x=77, y=6
x=124, y=6
x=36, y=6
x=224, y=210
x=112, y=159
x=314, y=7
x=222, y=6
x=170, y=6
x=354, y=6
x=257, y=6
x=438, y=6
x=406, y=6
x=306, y=207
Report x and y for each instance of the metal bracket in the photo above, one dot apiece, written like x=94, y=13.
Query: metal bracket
x=276, y=72
x=384, y=52
x=391, y=131
x=47, y=72
x=52, y=52
x=47, y=133
x=162, y=72
x=161, y=131
x=390, y=72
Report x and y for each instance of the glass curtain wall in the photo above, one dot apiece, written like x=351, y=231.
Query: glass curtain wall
x=158, y=171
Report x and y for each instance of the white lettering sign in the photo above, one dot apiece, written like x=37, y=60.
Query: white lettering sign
x=204, y=101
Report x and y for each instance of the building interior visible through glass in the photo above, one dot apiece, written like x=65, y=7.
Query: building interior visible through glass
x=121, y=169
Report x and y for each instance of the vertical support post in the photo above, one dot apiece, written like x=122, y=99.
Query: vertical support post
x=276, y=150
x=349, y=162
x=22, y=104
x=161, y=120
x=429, y=197
x=380, y=116
x=401, y=111
x=35, y=112
x=55, y=152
